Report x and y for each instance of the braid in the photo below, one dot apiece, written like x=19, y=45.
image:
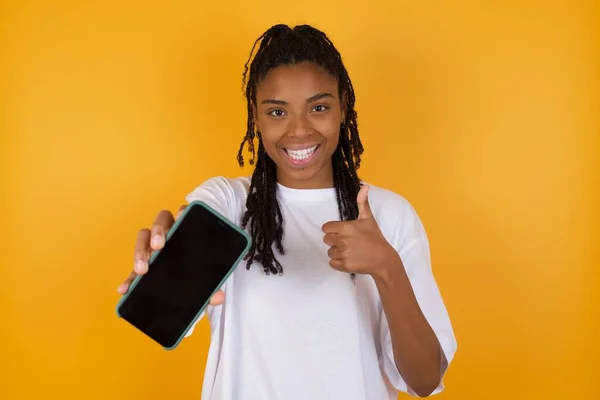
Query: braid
x=264, y=209
x=282, y=45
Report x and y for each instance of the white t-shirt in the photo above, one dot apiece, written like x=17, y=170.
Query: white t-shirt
x=312, y=333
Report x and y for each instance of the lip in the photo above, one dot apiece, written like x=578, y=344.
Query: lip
x=306, y=161
x=301, y=146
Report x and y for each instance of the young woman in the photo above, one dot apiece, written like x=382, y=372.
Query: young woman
x=337, y=299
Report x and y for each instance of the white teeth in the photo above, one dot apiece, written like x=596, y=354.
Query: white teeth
x=301, y=154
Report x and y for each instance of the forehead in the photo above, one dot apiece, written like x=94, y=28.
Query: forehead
x=301, y=80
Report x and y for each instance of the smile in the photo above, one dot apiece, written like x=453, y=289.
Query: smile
x=303, y=154
x=301, y=157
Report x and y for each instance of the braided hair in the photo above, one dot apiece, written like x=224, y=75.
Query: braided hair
x=282, y=45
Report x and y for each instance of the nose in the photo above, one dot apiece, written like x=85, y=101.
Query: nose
x=300, y=127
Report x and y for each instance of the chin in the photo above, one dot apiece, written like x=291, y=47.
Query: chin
x=314, y=177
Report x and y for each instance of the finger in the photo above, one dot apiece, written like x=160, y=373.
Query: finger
x=124, y=287
x=181, y=210
x=336, y=264
x=218, y=298
x=333, y=227
x=334, y=253
x=162, y=224
x=331, y=239
x=362, y=199
x=142, y=250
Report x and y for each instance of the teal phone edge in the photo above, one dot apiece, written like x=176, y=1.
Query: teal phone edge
x=227, y=275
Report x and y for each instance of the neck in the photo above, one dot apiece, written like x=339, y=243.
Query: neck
x=323, y=179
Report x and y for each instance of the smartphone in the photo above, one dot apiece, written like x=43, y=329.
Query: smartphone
x=201, y=250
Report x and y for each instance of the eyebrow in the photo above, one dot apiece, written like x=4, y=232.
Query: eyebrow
x=316, y=97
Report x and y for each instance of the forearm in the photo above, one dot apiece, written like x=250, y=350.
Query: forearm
x=417, y=352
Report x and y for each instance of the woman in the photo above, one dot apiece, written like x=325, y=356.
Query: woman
x=337, y=300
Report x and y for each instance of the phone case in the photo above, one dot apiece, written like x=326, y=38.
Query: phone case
x=169, y=234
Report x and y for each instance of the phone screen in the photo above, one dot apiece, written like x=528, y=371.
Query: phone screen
x=199, y=254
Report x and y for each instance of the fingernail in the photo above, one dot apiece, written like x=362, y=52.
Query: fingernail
x=157, y=241
x=140, y=266
x=122, y=288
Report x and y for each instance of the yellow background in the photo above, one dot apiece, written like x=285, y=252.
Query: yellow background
x=484, y=114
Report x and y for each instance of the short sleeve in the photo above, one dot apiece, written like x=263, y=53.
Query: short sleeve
x=413, y=246
x=216, y=193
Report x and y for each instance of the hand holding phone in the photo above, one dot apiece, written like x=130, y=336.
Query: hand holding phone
x=197, y=255
x=151, y=240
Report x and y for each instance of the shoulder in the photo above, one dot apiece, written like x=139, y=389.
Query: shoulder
x=237, y=186
x=225, y=194
x=387, y=203
x=396, y=216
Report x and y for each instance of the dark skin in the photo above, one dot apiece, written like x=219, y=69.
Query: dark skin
x=359, y=246
x=298, y=107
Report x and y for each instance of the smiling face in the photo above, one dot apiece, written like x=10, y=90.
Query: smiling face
x=298, y=113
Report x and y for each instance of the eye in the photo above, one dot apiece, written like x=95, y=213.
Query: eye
x=277, y=113
x=320, y=108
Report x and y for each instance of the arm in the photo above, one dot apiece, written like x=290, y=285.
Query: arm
x=417, y=352
x=416, y=334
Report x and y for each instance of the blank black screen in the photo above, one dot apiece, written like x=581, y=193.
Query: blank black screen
x=198, y=255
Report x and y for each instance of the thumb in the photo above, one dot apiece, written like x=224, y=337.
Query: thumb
x=364, y=209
